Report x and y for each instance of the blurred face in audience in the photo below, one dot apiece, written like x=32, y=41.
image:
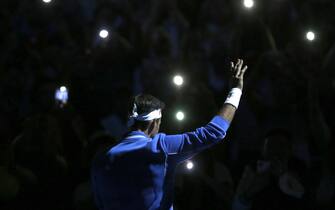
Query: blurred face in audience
x=276, y=147
x=276, y=153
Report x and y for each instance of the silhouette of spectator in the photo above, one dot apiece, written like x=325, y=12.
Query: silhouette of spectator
x=275, y=181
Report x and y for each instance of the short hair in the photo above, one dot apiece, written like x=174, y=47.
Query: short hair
x=145, y=103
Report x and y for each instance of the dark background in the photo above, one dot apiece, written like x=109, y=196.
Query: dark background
x=45, y=149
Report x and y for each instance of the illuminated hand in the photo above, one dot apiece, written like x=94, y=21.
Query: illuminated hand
x=237, y=73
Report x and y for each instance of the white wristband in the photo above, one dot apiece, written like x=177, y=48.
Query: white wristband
x=234, y=97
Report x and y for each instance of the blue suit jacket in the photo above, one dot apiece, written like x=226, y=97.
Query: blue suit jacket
x=137, y=174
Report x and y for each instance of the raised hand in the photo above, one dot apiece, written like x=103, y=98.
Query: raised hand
x=237, y=73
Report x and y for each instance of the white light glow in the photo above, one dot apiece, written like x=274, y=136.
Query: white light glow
x=63, y=89
x=248, y=3
x=180, y=116
x=103, y=33
x=310, y=36
x=47, y=1
x=62, y=95
x=178, y=80
x=189, y=165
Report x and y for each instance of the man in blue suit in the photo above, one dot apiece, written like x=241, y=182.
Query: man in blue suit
x=137, y=173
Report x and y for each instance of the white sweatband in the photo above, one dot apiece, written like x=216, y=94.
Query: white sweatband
x=156, y=114
x=234, y=97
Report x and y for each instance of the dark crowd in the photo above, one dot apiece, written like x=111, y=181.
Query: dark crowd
x=279, y=152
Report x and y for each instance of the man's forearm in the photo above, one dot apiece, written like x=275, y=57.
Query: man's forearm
x=231, y=104
x=233, y=99
x=227, y=112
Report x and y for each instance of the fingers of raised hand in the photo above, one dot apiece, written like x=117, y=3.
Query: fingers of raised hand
x=243, y=71
x=240, y=64
x=237, y=69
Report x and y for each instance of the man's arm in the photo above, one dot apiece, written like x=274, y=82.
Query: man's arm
x=230, y=106
x=215, y=130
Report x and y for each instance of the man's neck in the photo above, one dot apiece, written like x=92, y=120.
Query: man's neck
x=146, y=132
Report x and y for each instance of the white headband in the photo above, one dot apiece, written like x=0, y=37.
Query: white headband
x=156, y=114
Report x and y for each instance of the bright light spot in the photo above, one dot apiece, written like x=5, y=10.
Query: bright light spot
x=103, y=33
x=62, y=94
x=178, y=80
x=63, y=89
x=47, y=1
x=310, y=35
x=248, y=3
x=189, y=165
x=180, y=116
